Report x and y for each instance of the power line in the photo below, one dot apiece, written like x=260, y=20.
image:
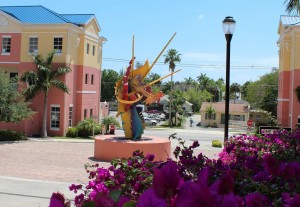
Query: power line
x=191, y=65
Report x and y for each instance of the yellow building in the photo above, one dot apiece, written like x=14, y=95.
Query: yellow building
x=27, y=30
x=288, y=110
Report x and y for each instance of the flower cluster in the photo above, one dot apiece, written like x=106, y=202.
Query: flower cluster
x=251, y=171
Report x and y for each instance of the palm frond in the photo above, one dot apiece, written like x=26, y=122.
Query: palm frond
x=61, y=71
x=49, y=58
x=30, y=92
x=292, y=6
x=60, y=85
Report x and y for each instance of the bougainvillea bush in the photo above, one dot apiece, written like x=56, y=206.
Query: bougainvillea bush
x=251, y=171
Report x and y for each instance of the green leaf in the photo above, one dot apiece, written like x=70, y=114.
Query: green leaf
x=115, y=195
x=89, y=204
x=129, y=204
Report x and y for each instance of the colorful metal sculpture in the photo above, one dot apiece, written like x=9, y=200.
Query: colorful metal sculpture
x=130, y=91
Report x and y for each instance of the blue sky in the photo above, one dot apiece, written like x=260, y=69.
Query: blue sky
x=200, y=39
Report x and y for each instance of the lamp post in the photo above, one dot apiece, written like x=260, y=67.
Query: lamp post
x=228, y=28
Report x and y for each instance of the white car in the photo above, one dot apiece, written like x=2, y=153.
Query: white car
x=150, y=122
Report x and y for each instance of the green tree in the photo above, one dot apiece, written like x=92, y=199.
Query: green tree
x=108, y=82
x=292, y=6
x=203, y=81
x=152, y=77
x=42, y=80
x=13, y=107
x=189, y=81
x=263, y=93
x=178, y=101
x=210, y=113
x=171, y=58
x=234, y=89
x=196, y=97
x=244, y=90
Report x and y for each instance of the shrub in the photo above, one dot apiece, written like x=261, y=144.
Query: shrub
x=72, y=132
x=86, y=127
x=250, y=171
x=8, y=135
x=110, y=120
x=216, y=143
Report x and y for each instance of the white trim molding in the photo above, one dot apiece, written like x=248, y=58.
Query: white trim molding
x=87, y=92
x=9, y=62
x=283, y=99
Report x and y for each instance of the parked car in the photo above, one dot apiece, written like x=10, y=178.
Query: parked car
x=150, y=122
x=154, y=112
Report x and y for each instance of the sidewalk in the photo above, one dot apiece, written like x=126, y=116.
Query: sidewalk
x=31, y=170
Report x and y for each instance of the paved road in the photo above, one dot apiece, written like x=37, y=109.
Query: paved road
x=31, y=170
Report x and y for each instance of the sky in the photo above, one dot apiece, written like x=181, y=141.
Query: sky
x=199, y=35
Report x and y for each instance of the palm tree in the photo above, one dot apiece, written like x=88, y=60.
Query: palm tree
x=171, y=57
x=292, y=6
x=41, y=80
x=210, y=113
x=234, y=88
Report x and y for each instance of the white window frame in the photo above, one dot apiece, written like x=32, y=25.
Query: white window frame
x=33, y=45
x=6, y=46
x=58, y=45
x=55, y=116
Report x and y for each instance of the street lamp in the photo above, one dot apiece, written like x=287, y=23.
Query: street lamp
x=228, y=28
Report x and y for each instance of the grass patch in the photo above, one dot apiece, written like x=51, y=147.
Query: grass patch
x=216, y=143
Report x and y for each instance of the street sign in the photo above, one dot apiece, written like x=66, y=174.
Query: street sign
x=249, y=122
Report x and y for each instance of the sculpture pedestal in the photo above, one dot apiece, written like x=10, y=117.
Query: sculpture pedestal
x=108, y=147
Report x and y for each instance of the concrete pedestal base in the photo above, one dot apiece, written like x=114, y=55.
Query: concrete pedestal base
x=108, y=147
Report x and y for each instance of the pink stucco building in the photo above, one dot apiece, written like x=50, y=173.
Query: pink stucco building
x=27, y=30
x=288, y=111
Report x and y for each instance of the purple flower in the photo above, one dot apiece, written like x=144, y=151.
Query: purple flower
x=57, y=200
x=289, y=201
x=79, y=199
x=74, y=187
x=150, y=157
x=291, y=170
x=103, y=200
x=149, y=199
x=256, y=200
x=166, y=180
x=226, y=184
x=194, y=194
x=272, y=165
x=122, y=201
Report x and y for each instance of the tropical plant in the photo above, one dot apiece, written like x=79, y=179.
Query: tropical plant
x=210, y=111
x=87, y=127
x=13, y=107
x=234, y=89
x=171, y=58
x=178, y=101
x=42, y=80
x=292, y=6
x=250, y=171
x=108, y=120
